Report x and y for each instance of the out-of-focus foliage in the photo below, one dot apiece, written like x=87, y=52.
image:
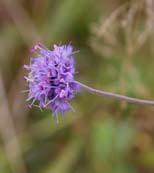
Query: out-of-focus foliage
x=115, y=39
x=111, y=142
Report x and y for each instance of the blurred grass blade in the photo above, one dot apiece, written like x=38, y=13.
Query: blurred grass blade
x=67, y=158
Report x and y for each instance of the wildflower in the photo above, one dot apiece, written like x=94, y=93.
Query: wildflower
x=51, y=78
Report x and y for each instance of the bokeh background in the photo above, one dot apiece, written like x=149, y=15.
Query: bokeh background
x=116, y=43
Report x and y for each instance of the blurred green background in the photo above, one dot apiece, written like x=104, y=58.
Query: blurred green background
x=116, y=43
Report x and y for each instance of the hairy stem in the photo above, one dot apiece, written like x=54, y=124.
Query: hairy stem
x=117, y=96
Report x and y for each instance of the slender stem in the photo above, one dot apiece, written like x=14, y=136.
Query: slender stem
x=117, y=96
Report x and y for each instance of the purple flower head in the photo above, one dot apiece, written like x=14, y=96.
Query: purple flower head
x=51, y=77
